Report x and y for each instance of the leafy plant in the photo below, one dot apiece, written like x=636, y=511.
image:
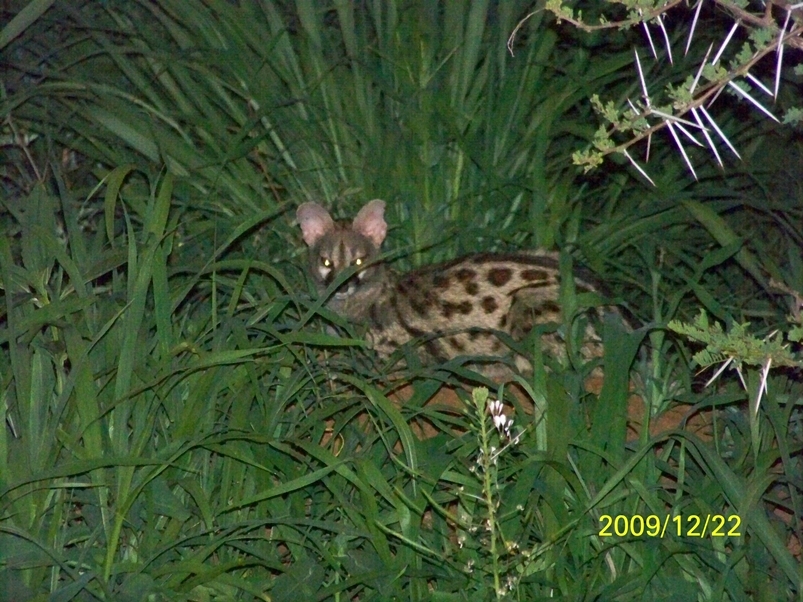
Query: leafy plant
x=179, y=425
x=680, y=107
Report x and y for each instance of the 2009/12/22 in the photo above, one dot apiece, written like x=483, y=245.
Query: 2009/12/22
x=655, y=527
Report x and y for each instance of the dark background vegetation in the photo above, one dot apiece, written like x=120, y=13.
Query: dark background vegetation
x=179, y=426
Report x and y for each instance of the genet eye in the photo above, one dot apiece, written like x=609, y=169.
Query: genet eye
x=326, y=262
x=358, y=261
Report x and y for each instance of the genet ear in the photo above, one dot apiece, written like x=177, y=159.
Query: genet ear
x=314, y=220
x=370, y=222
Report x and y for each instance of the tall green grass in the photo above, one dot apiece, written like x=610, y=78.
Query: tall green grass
x=177, y=424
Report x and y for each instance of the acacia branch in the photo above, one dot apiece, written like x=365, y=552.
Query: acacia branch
x=706, y=92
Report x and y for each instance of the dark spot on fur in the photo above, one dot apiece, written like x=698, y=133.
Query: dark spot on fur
x=440, y=281
x=551, y=306
x=533, y=274
x=464, y=274
x=503, y=321
x=408, y=284
x=472, y=288
x=412, y=330
x=455, y=344
x=546, y=311
x=373, y=314
x=421, y=302
x=435, y=351
x=499, y=276
x=449, y=309
x=535, y=285
x=473, y=334
x=419, y=306
x=489, y=304
x=497, y=346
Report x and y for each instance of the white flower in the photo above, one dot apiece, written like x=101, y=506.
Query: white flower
x=501, y=422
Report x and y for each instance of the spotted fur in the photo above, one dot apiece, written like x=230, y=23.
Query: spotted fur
x=454, y=308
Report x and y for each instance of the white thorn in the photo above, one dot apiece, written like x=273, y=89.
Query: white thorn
x=649, y=35
x=673, y=118
x=666, y=38
x=765, y=370
x=719, y=131
x=700, y=70
x=708, y=139
x=680, y=146
x=693, y=25
x=725, y=43
x=643, y=83
x=636, y=165
x=746, y=96
x=718, y=372
x=741, y=376
x=758, y=84
x=688, y=135
x=780, y=53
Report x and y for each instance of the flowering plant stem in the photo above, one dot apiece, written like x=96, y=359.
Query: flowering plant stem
x=487, y=464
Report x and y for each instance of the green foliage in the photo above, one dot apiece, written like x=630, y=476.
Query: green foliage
x=625, y=119
x=737, y=344
x=178, y=425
